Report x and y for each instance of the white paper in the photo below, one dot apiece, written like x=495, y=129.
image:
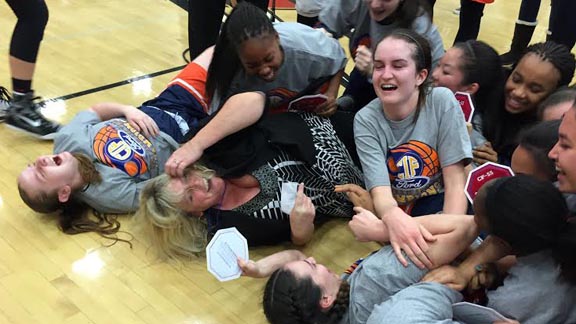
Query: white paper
x=223, y=251
x=289, y=191
x=475, y=314
x=307, y=103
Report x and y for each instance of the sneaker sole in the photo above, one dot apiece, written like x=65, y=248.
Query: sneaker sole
x=47, y=137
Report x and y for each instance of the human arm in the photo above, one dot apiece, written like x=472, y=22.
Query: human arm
x=137, y=119
x=239, y=112
x=302, y=218
x=358, y=196
x=454, y=177
x=328, y=108
x=491, y=250
x=405, y=234
x=453, y=233
x=266, y=266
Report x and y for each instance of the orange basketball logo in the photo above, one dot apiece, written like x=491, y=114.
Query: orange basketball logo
x=118, y=149
x=412, y=164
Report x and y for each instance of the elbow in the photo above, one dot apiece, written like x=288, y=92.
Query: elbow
x=300, y=241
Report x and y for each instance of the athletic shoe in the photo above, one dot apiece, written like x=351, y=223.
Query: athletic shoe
x=4, y=103
x=24, y=115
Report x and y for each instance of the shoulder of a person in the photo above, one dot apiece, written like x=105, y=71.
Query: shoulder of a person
x=370, y=111
x=441, y=95
x=69, y=132
x=300, y=38
x=422, y=21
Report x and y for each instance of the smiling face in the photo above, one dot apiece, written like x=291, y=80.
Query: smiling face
x=564, y=153
x=531, y=82
x=198, y=193
x=261, y=56
x=448, y=72
x=49, y=174
x=395, y=77
x=381, y=9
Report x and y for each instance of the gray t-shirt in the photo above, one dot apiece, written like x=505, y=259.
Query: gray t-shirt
x=534, y=293
x=421, y=303
x=407, y=155
x=375, y=279
x=342, y=16
x=123, y=156
x=308, y=55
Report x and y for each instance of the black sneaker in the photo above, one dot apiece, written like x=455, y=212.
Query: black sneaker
x=4, y=103
x=24, y=115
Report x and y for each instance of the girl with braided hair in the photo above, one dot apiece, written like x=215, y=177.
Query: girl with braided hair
x=274, y=64
x=300, y=290
x=544, y=68
x=527, y=218
x=523, y=216
x=283, y=60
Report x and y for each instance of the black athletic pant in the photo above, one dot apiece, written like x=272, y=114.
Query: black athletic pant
x=204, y=20
x=29, y=30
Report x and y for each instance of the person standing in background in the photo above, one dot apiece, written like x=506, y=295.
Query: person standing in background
x=204, y=20
x=23, y=111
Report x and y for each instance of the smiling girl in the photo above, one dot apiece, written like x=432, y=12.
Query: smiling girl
x=544, y=68
x=281, y=60
x=368, y=21
x=412, y=142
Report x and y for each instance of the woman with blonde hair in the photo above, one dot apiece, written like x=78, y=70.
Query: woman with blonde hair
x=269, y=181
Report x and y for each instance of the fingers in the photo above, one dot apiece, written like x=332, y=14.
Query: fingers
x=299, y=195
x=428, y=237
x=241, y=263
x=359, y=210
x=479, y=161
x=483, y=155
x=175, y=166
x=414, y=253
x=347, y=187
x=399, y=254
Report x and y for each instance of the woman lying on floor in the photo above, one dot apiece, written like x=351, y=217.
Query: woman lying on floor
x=251, y=177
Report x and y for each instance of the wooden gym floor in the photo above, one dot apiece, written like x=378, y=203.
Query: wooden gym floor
x=89, y=49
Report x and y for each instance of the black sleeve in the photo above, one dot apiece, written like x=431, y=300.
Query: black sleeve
x=258, y=231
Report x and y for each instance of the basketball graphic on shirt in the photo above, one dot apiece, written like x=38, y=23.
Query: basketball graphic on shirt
x=118, y=149
x=414, y=170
